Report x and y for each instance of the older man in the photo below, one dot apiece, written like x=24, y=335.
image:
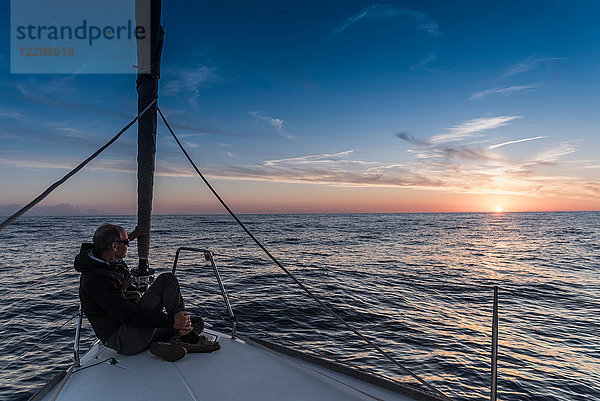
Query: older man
x=121, y=317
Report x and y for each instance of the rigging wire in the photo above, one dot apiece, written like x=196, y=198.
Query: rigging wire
x=51, y=188
x=36, y=344
x=298, y=282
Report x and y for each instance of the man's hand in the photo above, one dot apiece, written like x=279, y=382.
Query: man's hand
x=134, y=234
x=182, y=321
x=133, y=296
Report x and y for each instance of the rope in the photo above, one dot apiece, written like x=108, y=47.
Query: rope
x=36, y=344
x=112, y=360
x=298, y=282
x=47, y=192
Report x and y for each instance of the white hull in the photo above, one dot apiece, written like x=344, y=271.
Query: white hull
x=240, y=370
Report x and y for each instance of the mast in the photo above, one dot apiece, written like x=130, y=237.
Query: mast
x=149, y=34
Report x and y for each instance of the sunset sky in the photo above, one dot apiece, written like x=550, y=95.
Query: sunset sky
x=328, y=106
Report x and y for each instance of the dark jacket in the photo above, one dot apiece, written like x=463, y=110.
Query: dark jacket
x=103, y=289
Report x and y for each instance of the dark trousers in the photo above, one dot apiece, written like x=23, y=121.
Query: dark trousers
x=163, y=293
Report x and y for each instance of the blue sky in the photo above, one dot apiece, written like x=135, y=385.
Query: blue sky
x=329, y=106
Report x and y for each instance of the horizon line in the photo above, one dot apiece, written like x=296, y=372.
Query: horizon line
x=300, y=213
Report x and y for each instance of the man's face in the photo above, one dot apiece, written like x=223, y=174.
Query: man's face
x=122, y=246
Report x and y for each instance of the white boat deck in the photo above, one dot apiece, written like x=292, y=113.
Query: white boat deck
x=238, y=371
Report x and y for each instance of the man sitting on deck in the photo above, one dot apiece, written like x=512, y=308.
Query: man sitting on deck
x=121, y=317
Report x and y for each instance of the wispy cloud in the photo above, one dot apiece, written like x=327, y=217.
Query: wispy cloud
x=332, y=169
x=36, y=161
x=65, y=93
x=188, y=80
x=465, y=168
x=11, y=114
x=62, y=209
x=408, y=137
x=515, y=141
x=459, y=169
x=321, y=158
x=469, y=168
x=179, y=120
x=471, y=128
x=276, y=123
x=586, y=164
x=528, y=64
x=552, y=155
x=502, y=91
x=424, y=65
x=63, y=133
x=190, y=145
x=375, y=12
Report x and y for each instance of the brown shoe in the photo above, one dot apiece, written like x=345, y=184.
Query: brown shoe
x=168, y=351
x=203, y=345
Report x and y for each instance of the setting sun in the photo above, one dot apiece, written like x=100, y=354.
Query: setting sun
x=498, y=209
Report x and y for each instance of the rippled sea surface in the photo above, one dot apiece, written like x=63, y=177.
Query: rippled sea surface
x=419, y=285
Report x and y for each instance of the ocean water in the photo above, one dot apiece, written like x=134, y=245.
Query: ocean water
x=419, y=285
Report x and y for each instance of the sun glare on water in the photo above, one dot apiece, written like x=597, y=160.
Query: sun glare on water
x=498, y=209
